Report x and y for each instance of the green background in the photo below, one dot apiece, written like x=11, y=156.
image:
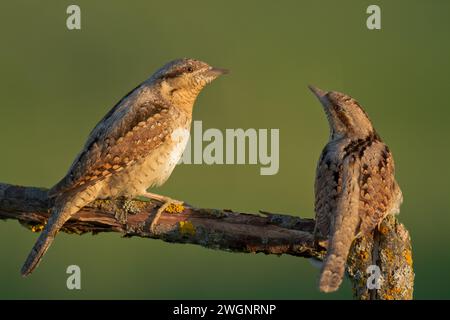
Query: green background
x=56, y=84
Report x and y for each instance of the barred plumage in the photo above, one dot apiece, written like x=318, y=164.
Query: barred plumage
x=355, y=184
x=135, y=146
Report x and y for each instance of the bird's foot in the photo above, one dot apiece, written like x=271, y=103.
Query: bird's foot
x=154, y=196
x=176, y=206
x=170, y=205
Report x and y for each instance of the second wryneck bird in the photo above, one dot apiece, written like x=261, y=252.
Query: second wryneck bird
x=355, y=184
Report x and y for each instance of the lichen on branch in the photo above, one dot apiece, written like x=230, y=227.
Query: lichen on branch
x=389, y=249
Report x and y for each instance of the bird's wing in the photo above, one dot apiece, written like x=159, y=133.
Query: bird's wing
x=128, y=132
x=327, y=187
x=378, y=185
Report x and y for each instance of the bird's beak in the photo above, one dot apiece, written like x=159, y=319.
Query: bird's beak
x=319, y=93
x=220, y=70
x=215, y=72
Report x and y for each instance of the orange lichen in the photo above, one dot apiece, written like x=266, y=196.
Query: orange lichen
x=389, y=255
x=175, y=208
x=363, y=255
x=186, y=227
x=408, y=257
x=37, y=228
x=383, y=230
x=392, y=294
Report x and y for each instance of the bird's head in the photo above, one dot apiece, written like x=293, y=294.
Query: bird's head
x=345, y=116
x=182, y=80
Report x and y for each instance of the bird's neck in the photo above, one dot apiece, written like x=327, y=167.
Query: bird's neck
x=182, y=98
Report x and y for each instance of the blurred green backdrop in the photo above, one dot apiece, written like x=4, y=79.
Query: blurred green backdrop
x=56, y=84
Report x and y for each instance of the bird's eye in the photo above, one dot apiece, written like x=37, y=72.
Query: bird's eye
x=190, y=69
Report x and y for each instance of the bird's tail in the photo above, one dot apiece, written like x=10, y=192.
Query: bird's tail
x=60, y=214
x=344, y=229
x=334, y=266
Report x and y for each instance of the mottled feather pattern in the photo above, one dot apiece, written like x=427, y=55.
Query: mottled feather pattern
x=355, y=184
x=135, y=146
x=343, y=225
x=327, y=188
x=376, y=172
x=337, y=217
x=380, y=194
x=118, y=142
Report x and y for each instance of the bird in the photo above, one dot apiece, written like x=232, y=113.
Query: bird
x=135, y=146
x=355, y=185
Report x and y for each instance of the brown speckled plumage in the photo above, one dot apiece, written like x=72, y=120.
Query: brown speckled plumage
x=135, y=146
x=355, y=185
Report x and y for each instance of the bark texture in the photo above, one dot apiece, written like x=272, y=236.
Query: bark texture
x=389, y=248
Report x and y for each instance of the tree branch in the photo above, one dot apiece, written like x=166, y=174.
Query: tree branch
x=226, y=230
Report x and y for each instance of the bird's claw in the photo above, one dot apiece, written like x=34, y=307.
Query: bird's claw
x=169, y=205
